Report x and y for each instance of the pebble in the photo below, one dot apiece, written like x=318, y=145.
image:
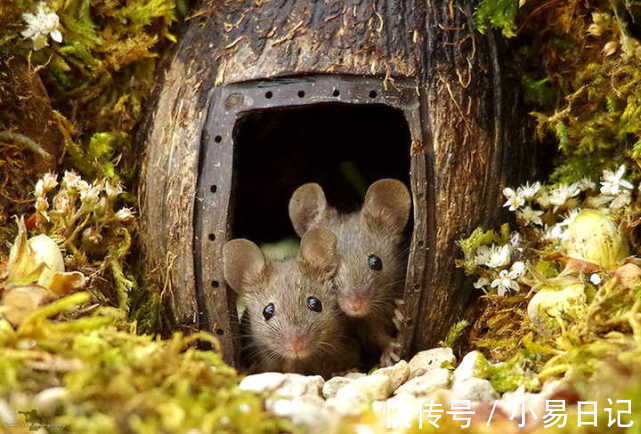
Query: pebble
x=428, y=360
x=262, y=383
x=285, y=385
x=355, y=397
x=307, y=411
x=331, y=386
x=426, y=384
x=474, y=364
x=397, y=374
x=373, y=387
x=474, y=389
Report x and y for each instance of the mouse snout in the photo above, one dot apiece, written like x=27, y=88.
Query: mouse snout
x=354, y=305
x=298, y=345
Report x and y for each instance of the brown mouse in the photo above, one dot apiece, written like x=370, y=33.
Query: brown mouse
x=372, y=247
x=292, y=315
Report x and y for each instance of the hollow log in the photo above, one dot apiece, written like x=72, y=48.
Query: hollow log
x=471, y=143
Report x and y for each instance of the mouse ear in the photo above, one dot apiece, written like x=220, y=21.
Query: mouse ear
x=317, y=255
x=307, y=207
x=387, y=206
x=243, y=263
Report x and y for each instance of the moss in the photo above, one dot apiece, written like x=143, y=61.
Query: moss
x=512, y=374
x=117, y=381
x=454, y=333
x=497, y=14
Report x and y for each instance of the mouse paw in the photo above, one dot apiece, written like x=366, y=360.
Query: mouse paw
x=390, y=354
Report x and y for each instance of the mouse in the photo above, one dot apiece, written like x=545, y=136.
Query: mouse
x=292, y=321
x=373, y=250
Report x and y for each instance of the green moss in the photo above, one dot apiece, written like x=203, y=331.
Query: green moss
x=497, y=14
x=117, y=381
x=512, y=374
x=454, y=333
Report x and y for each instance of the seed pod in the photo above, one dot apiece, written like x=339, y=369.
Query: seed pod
x=594, y=237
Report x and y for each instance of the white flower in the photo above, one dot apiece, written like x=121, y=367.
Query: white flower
x=482, y=255
x=39, y=190
x=585, y=184
x=528, y=191
x=514, y=199
x=570, y=216
x=41, y=26
x=481, y=283
x=613, y=182
x=595, y=279
x=515, y=239
x=70, y=178
x=42, y=205
x=543, y=199
x=517, y=270
x=556, y=232
x=499, y=256
x=562, y=193
x=45, y=184
x=528, y=215
x=61, y=202
x=125, y=214
x=625, y=198
x=50, y=181
x=504, y=283
x=90, y=196
x=113, y=190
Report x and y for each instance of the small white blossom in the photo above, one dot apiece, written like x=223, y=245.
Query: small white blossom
x=517, y=270
x=499, y=256
x=505, y=283
x=39, y=189
x=515, y=239
x=41, y=26
x=481, y=283
x=625, y=198
x=528, y=191
x=42, y=205
x=543, y=199
x=613, y=182
x=585, y=184
x=529, y=215
x=90, y=196
x=598, y=201
x=70, y=179
x=50, y=181
x=113, y=190
x=595, y=279
x=482, y=255
x=515, y=200
x=61, y=202
x=556, y=232
x=570, y=217
x=562, y=193
x=125, y=214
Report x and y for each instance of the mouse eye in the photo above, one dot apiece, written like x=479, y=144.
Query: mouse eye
x=314, y=304
x=268, y=311
x=374, y=262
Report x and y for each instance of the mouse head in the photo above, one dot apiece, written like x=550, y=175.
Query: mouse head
x=371, y=242
x=291, y=304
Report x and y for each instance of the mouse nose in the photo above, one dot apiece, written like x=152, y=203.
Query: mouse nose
x=355, y=305
x=298, y=345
